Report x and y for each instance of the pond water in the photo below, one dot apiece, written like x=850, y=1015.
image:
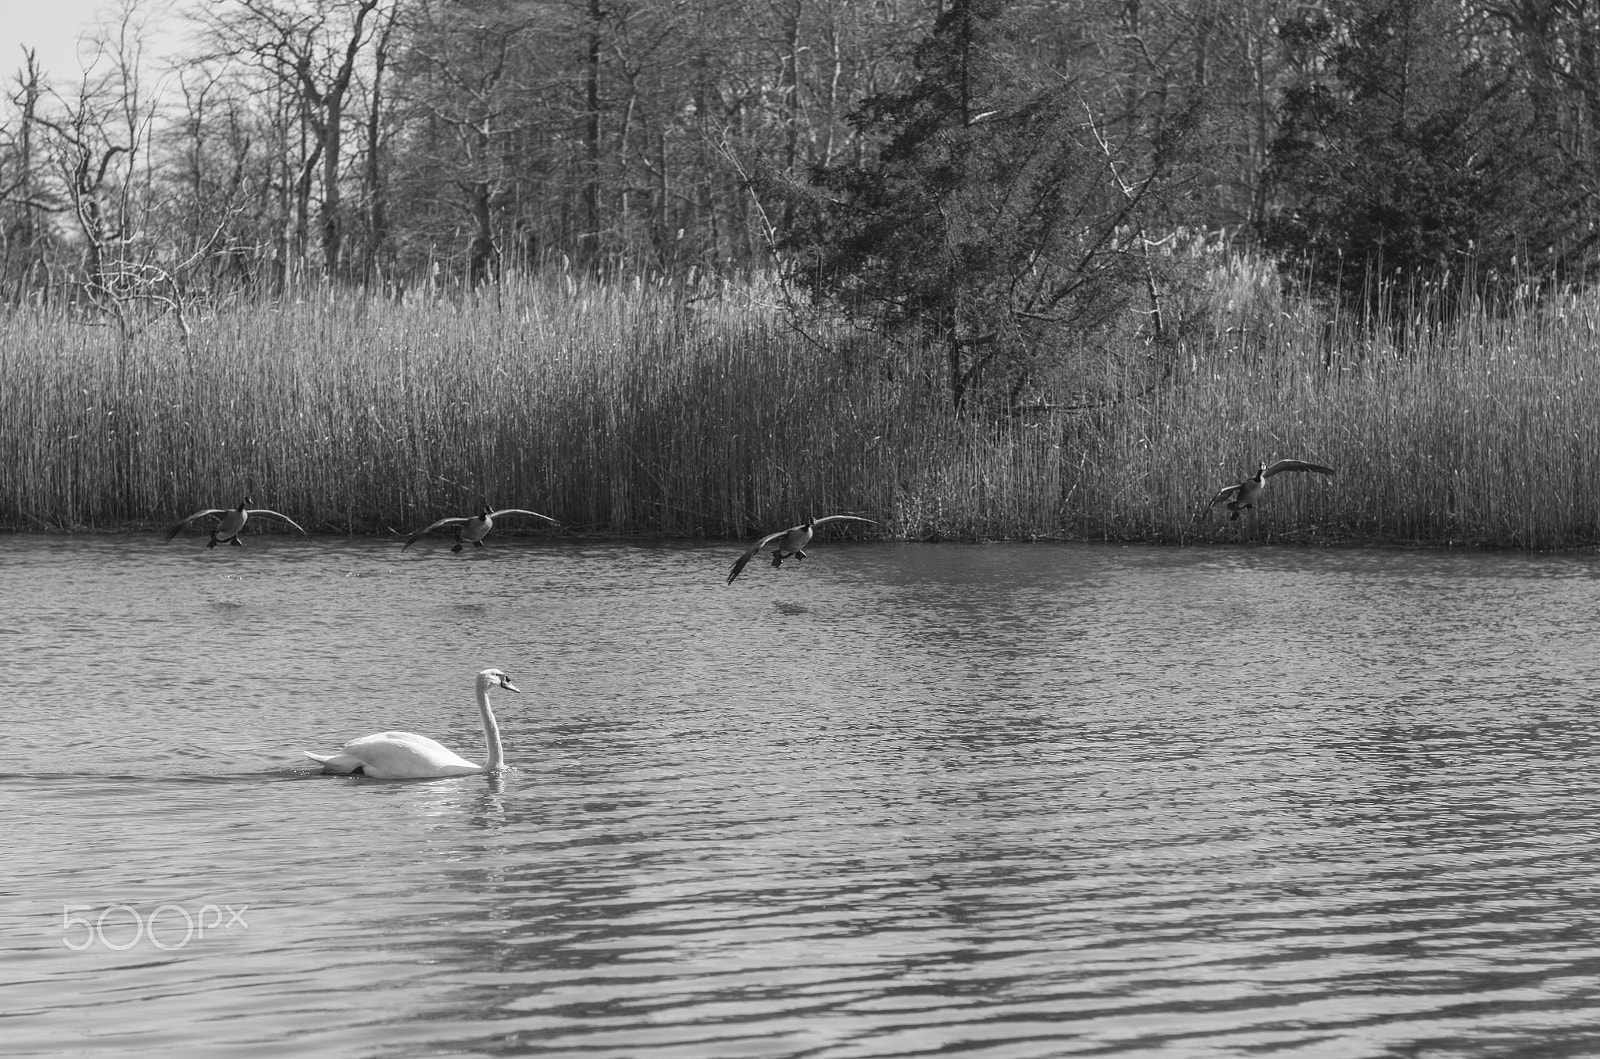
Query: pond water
x=897, y=800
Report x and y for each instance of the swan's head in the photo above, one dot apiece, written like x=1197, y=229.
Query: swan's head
x=496, y=678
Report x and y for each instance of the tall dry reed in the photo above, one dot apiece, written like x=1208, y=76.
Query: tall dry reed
x=631, y=410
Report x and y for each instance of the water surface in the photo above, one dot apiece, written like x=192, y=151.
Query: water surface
x=897, y=800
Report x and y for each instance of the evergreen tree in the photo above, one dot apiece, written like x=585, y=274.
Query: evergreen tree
x=1405, y=162
x=997, y=220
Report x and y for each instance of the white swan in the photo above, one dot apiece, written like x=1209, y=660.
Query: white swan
x=406, y=756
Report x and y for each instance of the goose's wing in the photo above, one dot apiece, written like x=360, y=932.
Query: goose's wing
x=1295, y=465
x=523, y=511
x=430, y=527
x=841, y=518
x=1227, y=494
x=740, y=563
x=179, y=526
x=276, y=514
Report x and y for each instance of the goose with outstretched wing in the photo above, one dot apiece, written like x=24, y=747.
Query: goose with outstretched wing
x=791, y=542
x=230, y=522
x=471, y=529
x=1245, y=493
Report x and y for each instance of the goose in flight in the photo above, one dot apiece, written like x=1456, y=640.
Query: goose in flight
x=473, y=528
x=230, y=522
x=1245, y=493
x=407, y=756
x=791, y=542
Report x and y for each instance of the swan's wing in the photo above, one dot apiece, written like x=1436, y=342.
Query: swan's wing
x=1296, y=465
x=406, y=755
x=744, y=560
x=841, y=518
x=430, y=527
x=178, y=527
x=344, y=763
x=276, y=514
x=1227, y=494
x=523, y=511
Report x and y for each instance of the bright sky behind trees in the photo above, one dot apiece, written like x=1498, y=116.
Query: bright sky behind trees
x=53, y=27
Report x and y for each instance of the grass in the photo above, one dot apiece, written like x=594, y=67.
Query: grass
x=624, y=410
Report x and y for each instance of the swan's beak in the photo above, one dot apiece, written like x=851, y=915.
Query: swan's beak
x=511, y=687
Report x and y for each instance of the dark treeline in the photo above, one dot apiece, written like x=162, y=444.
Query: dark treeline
x=401, y=145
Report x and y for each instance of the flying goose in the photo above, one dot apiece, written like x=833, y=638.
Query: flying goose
x=473, y=528
x=230, y=523
x=1245, y=493
x=793, y=541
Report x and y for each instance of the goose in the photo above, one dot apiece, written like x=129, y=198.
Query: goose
x=474, y=528
x=791, y=542
x=231, y=522
x=1245, y=493
x=406, y=756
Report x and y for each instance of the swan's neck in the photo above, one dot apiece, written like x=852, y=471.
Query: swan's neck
x=491, y=731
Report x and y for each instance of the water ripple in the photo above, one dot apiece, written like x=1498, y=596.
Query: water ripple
x=1001, y=801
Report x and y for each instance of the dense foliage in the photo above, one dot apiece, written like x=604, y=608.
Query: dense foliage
x=1013, y=184
x=1408, y=157
x=997, y=221
x=396, y=143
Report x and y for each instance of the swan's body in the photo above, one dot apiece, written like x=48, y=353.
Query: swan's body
x=791, y=542
x=408, y=756
x=230, y=522
x=471, y=529
x=1245, y=493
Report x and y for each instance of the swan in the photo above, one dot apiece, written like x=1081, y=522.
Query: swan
x=474, y=528
x=231, y=522
x=406, y=756
x=1244, y=494
x=792, y=541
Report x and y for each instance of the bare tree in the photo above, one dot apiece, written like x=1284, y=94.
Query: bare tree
x=21, y=192
x=374, y=185
x=99, y=137
x=311, y=51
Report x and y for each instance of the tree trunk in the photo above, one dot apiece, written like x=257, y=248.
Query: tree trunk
x=377, y=205
x=332, y=228
x=591, y=135
x=483, y=256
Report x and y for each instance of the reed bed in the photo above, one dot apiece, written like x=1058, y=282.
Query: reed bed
x=630, y=410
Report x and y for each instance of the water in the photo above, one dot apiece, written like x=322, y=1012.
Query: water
x=997, y=801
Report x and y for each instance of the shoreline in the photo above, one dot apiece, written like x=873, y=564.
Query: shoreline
x=1287, y=540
